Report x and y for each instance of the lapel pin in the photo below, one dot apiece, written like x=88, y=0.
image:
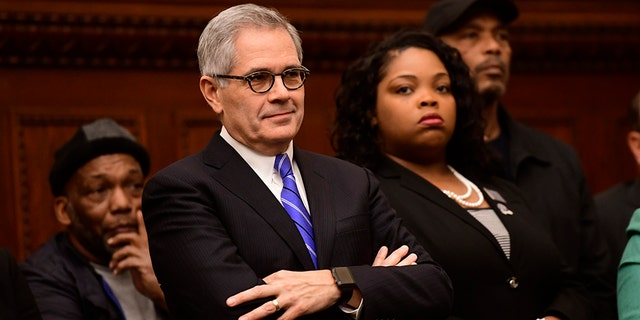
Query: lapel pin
x=504, y=209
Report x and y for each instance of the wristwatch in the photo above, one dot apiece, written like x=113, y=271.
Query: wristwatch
x=345, y=283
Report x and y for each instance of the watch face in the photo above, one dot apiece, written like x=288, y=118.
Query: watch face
x=345, y=283
x=343, y=277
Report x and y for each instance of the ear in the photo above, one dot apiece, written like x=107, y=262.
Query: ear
x=61, y=209
x=209, y=88
x=633, y=141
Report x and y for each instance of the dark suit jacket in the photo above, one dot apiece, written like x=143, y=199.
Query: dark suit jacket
x=16, y=299
x=215, y=229
x=532, y=283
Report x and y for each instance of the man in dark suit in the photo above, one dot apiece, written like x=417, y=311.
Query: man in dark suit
x=222, y=243
x=617, y=204
x=547, y=170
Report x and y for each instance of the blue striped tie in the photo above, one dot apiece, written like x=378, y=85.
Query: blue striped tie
x=293, y=204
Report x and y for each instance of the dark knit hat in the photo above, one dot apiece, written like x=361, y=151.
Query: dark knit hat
x=445, y=13
x=103, y=136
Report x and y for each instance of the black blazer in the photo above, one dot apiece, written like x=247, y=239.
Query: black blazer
x=486, y=284
x=215, y=229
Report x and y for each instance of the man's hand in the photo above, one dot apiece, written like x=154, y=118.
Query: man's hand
x=307, y=292
x=299, y=293
x=133, y=255
x=397, y=258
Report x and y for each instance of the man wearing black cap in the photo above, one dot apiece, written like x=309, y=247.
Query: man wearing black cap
x=99, y=267
x=546, y=170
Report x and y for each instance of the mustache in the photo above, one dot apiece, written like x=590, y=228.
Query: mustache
x=491, y=62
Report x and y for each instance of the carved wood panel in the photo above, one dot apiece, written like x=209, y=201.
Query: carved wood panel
x=196, y=128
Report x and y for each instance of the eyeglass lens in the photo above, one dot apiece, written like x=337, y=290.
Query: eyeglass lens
x=262, y=81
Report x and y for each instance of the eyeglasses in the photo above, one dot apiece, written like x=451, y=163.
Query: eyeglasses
x=262, y=81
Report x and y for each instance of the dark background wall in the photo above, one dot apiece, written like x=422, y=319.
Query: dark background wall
x=64, y=63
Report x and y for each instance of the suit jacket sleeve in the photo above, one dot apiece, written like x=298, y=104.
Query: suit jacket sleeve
x=396, y=291
x=195, y=259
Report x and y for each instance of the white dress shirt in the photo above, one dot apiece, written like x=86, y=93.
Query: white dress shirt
x=263, y=166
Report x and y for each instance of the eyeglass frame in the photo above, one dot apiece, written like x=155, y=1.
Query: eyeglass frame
x=304, y=70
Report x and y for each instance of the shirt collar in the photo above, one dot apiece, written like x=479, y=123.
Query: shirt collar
x=261, y=164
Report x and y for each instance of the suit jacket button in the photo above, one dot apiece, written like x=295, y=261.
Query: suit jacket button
x=513, y=282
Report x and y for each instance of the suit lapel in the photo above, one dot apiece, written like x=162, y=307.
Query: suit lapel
x=228, y=167
x=431, y=193
x=322, y=210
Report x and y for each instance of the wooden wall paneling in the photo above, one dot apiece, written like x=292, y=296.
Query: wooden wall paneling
x=37, y=134
x=618, y=157
x=319, y=108
x=595, y=142
x=595, y=102
x=563, y=129
x=162, y=136
x=10, y=229
x=194, y=128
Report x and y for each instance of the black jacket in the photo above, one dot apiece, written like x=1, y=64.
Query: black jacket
x=16, y=300
x=65, y=285
x=550, y=176
x=487, y=285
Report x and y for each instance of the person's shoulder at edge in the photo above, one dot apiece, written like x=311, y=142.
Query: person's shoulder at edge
x=613, y=193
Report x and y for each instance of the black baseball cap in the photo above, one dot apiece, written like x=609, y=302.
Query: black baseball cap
x=444, y=14
x=103, y=136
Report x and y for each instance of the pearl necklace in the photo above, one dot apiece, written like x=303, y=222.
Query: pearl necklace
x=461, y=199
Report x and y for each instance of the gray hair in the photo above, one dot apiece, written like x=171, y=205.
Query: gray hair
x=216, y=48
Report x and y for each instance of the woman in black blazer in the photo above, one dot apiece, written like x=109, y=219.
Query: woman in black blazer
x=407, y=110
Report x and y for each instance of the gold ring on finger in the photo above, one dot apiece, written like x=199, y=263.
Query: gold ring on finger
x=276, y=304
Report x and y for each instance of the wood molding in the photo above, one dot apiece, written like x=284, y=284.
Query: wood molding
x=553, y=43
